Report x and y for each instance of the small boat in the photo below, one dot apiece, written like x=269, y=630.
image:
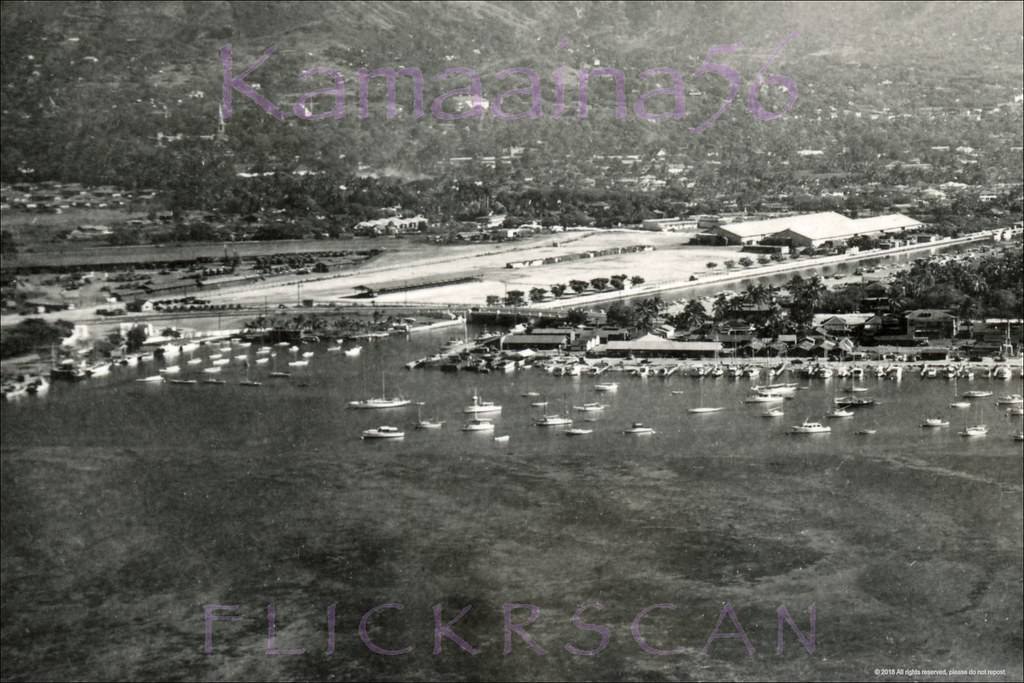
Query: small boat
x=250, y=383
x=221, y=361
x=773, y=412
x=839, y=412
x=1015, y=410
x=100, y=369
x=280, y=374
x=590, y=407
x=293, y=348
x=539, y=404
x=171, y=370
x=384, y=432
x=552, y=421
x=577, y=431
x=183, y=381
x=639, y=428
x=195, y=361
x=853, y=401
x=1010, y=400
x=764, y=398
x=977, y=393
x=354, y=351
x=212, y=371
x=935, y=422
x=214, y=381
x=1002, y=372
x=298, y=363
x=1019, y=436
x=960, y=404
x=530, y=394
x=607, y=386
x=427, y=424
x=151, y=378
x=867, y=432
x=504, y=438
x=810, y=428
x=377, y=403
x=308, y=354
x=479, y=406
x=785, y=389
x=478, y=425
x=702, y=408
x=262, y=361
x=976, y=430
x=333, y=349
x=678, y=392
x=263, y=350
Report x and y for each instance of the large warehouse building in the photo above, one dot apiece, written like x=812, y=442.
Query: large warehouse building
x=812, y=230
x=816, y=236
x=752, y=232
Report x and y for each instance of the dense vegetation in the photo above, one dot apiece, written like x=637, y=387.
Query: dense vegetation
x=91, y=92
x=991, y=285
x=32, y=334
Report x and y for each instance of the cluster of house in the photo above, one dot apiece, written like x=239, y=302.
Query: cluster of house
x=391, y=225
x=492, y=228
x=53, y=197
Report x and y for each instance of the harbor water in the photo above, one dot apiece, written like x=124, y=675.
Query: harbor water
x=128, y=508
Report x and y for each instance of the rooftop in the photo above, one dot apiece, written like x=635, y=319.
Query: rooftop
x=774, y=225
x=850, y=227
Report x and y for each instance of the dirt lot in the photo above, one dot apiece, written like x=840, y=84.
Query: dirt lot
x=487, y=261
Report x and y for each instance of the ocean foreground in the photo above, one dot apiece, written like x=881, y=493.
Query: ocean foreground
x=904, y=543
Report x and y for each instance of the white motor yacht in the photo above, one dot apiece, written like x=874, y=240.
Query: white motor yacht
x=809, y=427
x=384, y=432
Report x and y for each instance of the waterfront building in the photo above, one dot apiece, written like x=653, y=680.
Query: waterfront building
x=933, y=323
x=536, y=342
x=654, y=346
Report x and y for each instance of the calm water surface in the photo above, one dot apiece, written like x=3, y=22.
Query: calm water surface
x=127, y=507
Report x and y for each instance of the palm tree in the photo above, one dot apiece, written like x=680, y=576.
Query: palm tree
x=694, y=315
x=721, y=308
x=772, y=323
x=647, y=312
x=758, y=294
